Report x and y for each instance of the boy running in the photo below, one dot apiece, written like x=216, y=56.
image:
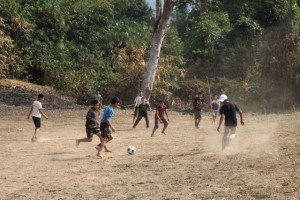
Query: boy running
x=37, y=113
x=91, y=124
x=106, y=125
x=228, y=111
x=143, y=108
x=197, y=106
x=161, y=110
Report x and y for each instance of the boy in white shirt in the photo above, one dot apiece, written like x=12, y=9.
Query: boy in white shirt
x=37, y=113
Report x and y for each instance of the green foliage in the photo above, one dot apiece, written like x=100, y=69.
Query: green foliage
x=248, y=48
x=270, y=12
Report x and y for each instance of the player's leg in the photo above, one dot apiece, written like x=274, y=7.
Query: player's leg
x=232, y=133
x=89, y=137
x=225, y=137
x=165, y=126
x=137, y=120
x=155, y=126
x=37, y=123
x=147, y=120
x=135, y=114
x=102, y=145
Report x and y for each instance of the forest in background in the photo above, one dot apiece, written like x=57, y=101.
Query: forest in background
x=248, y=49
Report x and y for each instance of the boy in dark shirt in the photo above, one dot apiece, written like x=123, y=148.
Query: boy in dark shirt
x=198, y=104
x=161, y=110
x=143, y=108
x=228, y=111
x=91, y=124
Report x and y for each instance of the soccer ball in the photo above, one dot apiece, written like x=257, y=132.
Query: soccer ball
x=131, y=149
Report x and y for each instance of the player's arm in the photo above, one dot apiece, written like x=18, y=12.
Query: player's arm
x=110, y=124
x=149, y=108
x=43, y=114
x=30, y=111
x=241, y=117
x=220, y=122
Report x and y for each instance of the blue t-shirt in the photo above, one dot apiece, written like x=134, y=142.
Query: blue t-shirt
x=215, y=105
x=108, y=113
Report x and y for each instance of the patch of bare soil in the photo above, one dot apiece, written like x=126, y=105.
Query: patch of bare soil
x=19, y=93
x=262, y=162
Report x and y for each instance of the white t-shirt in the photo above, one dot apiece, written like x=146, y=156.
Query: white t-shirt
x=36, y=107
x=137, y=101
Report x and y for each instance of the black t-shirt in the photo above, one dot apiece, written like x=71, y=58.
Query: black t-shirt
x=229, y=110
x=198, y=103
x=143, y=108
x=91, y=118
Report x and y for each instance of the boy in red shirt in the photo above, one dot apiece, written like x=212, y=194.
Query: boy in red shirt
x=161, y=110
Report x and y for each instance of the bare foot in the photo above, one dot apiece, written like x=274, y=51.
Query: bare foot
x=107, y=150
x=100, y=156
x=164, y=133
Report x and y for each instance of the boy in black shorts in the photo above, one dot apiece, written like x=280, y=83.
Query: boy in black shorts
x=228, y=112
x=106, y=125
x=37, y=112
x=198, y=104
x=161, y=110
x=144, y=107
x=92, y=124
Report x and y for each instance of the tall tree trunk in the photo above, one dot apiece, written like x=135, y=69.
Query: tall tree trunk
x=158, y=36
x=158, y=9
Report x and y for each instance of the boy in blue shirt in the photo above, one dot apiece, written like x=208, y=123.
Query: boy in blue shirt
x=106, y=125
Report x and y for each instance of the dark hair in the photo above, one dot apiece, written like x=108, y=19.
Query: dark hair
x=115, y=100
x=95, y=102
x=40, y=96
x=160, y=101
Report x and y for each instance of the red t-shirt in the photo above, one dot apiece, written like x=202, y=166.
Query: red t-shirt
x=161, y=111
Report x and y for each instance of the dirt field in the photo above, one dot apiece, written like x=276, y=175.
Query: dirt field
x=263, y=162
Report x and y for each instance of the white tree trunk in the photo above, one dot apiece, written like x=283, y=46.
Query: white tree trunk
x=158, y=36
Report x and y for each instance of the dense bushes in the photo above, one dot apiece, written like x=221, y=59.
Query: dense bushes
x=248, y=49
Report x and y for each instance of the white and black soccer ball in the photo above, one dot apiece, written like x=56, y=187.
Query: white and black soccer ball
x=130, y=149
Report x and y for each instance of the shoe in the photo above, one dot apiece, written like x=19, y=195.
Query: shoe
x=77, y=143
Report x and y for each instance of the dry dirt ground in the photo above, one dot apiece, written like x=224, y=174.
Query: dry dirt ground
x=263, y=162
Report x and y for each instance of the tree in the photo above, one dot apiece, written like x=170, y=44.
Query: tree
x=158, y=36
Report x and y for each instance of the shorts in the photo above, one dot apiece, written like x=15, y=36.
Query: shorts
x=37, y=122
x=136, y=111
x=162, y=119
x=105, y=131
x=215, y=113
x=91, y=131
x=197, y=114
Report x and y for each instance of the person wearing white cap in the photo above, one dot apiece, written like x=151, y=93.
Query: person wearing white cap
x=228, y=111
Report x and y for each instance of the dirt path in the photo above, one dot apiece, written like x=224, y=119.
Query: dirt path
x=262, y=162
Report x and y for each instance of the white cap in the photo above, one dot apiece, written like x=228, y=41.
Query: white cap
x=223, y=97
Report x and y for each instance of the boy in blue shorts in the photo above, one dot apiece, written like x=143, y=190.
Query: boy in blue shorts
x=106, y=126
